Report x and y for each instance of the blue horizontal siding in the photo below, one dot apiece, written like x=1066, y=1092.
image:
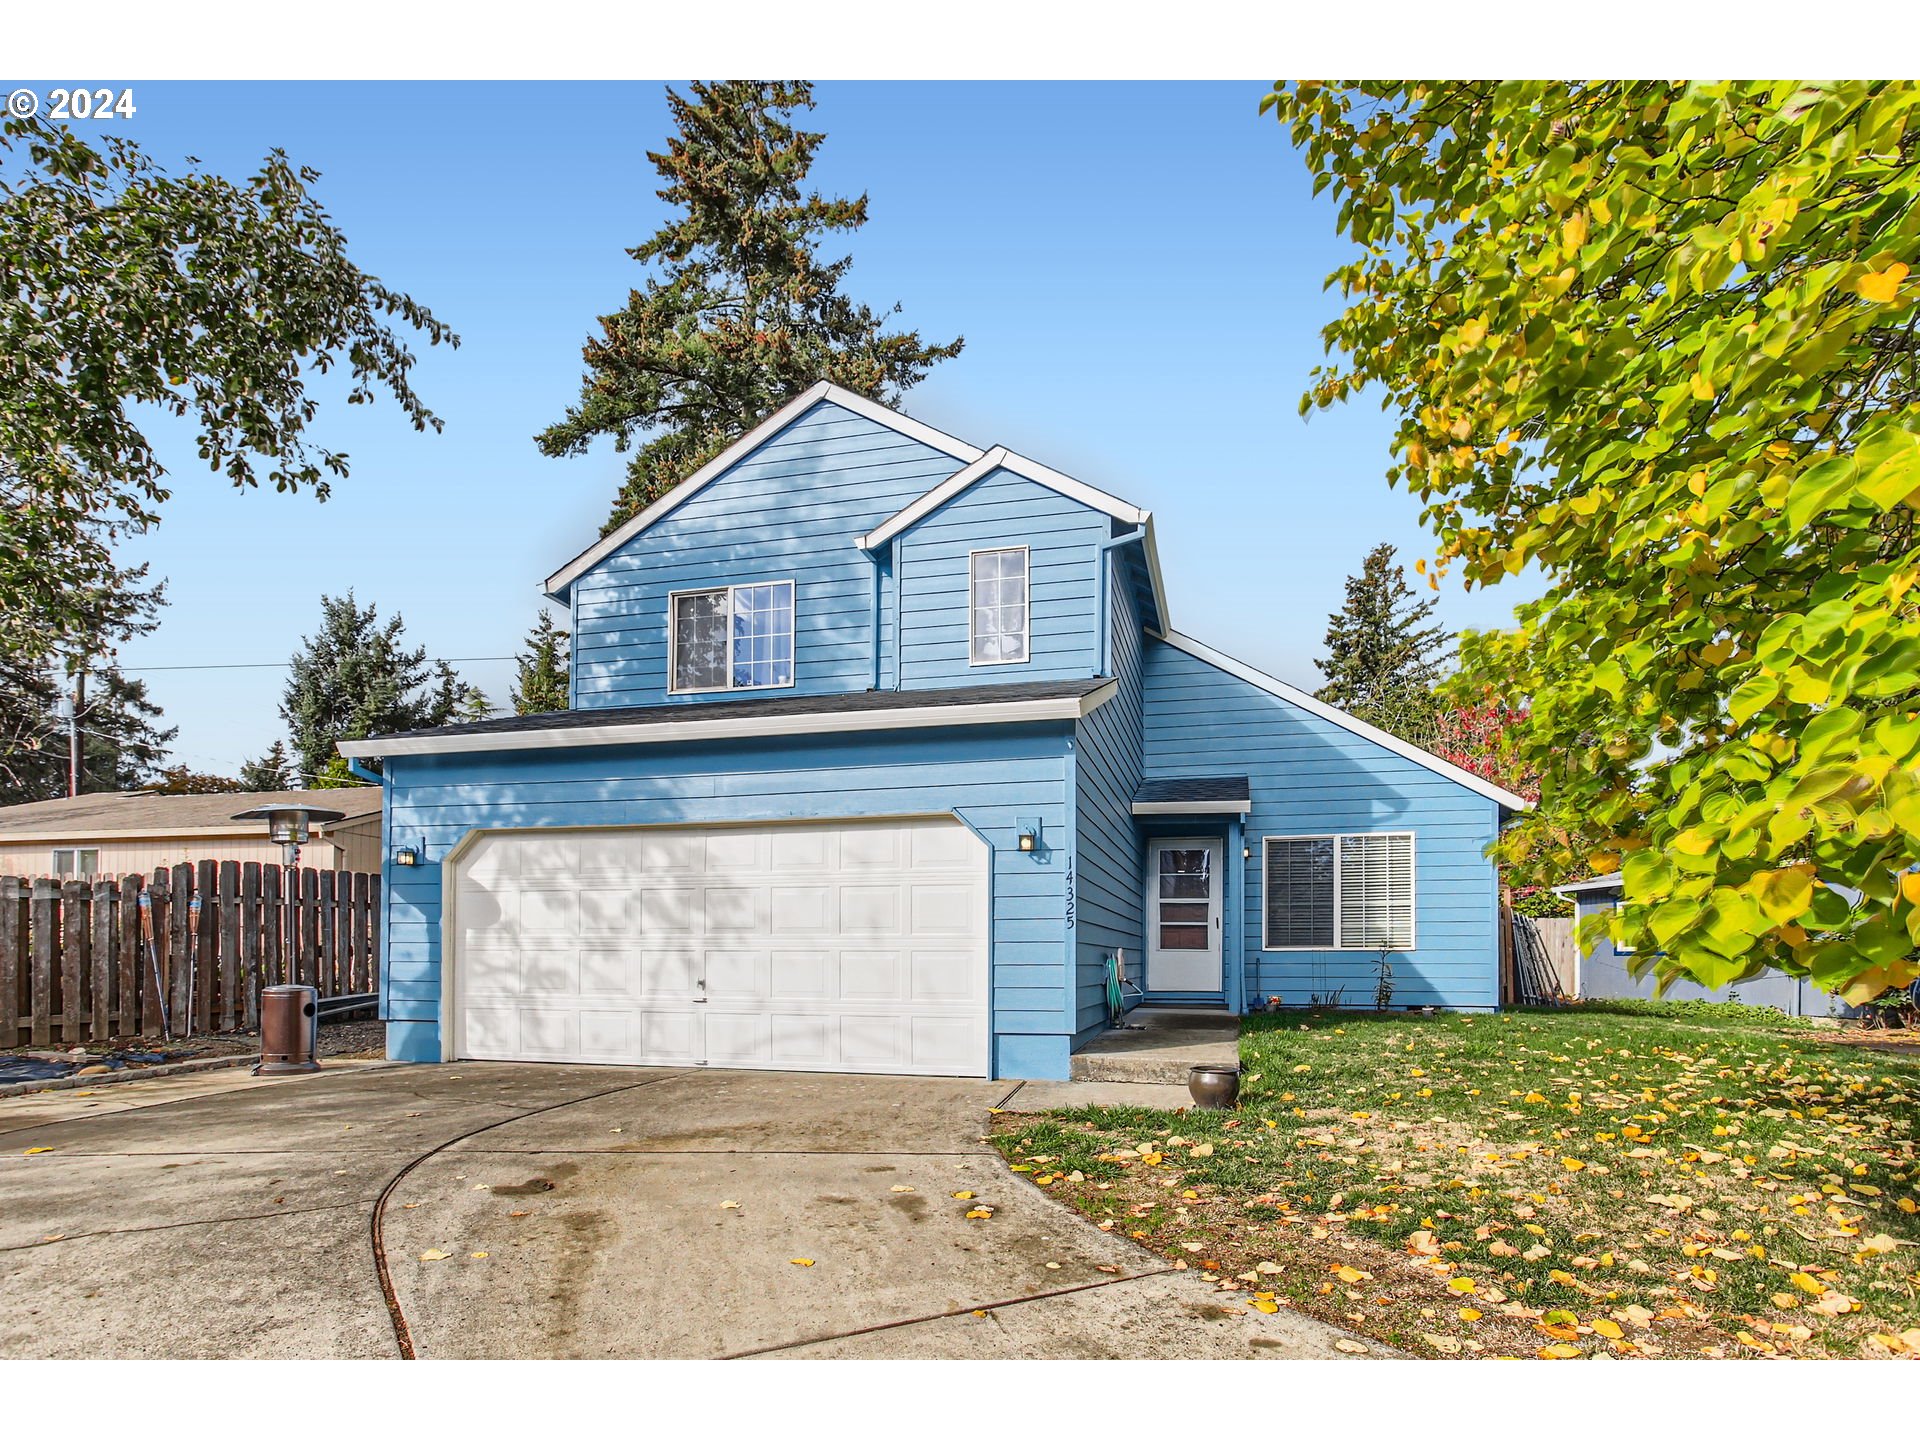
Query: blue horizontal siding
x=990, y=777
x=1110, y=756
x=1309, y=776
x=789, y=511
x=1001, y=510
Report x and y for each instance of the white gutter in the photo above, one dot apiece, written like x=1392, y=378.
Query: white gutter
x=756, y=727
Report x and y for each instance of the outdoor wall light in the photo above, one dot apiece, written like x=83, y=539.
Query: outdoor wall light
x=1029, y=836
x=406, y=855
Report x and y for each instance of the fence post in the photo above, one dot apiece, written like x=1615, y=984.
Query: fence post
x=273, y=925
x=206, y=946
x=374, y=919
x=103, y=959
x=326, y=946
x=250, y=943
x=228, y=1015
x=343, y=933
x=357, y=923
x=13, y=960
x=180, y=949
x=130, y=967
x=309, y=927
x=154, y=973
x=46, y=954
x=74, y=936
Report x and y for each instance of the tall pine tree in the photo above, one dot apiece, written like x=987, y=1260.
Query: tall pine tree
x=1383, y=655
x=540, y=683
x=272, y=771
x=355, y=678
x=742, y=313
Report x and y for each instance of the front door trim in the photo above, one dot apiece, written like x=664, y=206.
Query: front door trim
x=1181, y=971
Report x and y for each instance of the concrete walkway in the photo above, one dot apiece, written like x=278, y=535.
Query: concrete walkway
x=582, y=1211
x=1156, y=1046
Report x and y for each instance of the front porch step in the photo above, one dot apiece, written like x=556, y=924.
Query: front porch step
x=1159, y=1047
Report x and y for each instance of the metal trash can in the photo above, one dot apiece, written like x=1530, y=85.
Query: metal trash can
x=289, y=1030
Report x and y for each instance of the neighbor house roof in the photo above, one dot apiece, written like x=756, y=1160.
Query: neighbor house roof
x=753, y=719
x=136, y=814
x=561, y=580
x=1194, y=795
x=1598, y=885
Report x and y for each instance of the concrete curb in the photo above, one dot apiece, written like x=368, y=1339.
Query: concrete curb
x=122, y=1077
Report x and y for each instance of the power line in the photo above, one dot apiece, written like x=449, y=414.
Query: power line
x=284, y=664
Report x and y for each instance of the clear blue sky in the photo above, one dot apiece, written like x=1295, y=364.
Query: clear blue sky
x=1137, y=270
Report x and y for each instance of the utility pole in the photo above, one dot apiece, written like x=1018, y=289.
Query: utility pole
x=73, y=733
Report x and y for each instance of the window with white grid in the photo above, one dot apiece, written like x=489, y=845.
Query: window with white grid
x=997, y=597
x=1339, y=892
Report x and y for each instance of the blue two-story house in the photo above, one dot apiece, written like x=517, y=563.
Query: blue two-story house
x=882, y=750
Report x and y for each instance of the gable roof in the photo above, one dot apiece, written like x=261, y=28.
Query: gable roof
x=1000, y=458
x=1014, y=463
x=558, y=583
x=118, y=813
x=1022, y=701
x=1405, y=749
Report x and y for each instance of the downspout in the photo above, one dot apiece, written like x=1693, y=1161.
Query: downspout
x=872, y=556
x=1106, y=608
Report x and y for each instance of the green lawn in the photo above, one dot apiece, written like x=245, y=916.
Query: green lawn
x=1635, y=1179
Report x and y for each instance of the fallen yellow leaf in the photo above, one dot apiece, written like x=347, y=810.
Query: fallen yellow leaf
x=433, y=1255
x=1558, y=1352
x=800, y=1262
x=37, y=1150
x=1469, y=1314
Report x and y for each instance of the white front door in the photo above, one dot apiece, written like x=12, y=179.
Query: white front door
x=860, y=946
x=1184, y=884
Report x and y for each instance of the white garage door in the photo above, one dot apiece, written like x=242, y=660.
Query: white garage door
x=787, y=947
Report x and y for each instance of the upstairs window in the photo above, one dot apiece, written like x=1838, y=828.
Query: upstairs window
x=997, y=597
x=732, y=637
x=76, y=864
x=1339, y=892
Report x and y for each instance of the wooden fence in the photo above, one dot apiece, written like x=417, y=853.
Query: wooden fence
x=184, y=952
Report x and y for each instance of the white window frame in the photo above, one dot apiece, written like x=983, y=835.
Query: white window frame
x=76, y=851
x=1413, y=899
x=1026, y=608
x=673, y=637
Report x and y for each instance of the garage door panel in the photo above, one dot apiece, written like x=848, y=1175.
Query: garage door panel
x=944, y=976
x=734, y=975
x=800, y=909
x=800, y=974
x=800, y=1042
x=546, y=971
x=669, y=910
x=871, y=909
x=669, y=1037
x=735, y=910
x=678, y=947
x=549, y=1033
x=606, y=971
x=669, y=974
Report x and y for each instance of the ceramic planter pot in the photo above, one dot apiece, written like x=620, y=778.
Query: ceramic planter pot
x=1214, y=1087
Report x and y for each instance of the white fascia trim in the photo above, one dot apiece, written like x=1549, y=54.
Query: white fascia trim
x=1000, y=458
x=664, y=732
x=1404, y=749
x=557, y=583
x=1192, y=807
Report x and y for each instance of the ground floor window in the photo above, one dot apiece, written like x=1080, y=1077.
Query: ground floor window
x=1339, y=892
x=76, y=863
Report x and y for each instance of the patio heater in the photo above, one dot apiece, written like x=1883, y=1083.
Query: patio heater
x=289, y=1014
x=290, y=825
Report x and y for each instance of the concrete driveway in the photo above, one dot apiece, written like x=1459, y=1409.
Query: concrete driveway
x=583, y=1211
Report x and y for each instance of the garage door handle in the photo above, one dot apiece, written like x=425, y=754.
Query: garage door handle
x=701, y=998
